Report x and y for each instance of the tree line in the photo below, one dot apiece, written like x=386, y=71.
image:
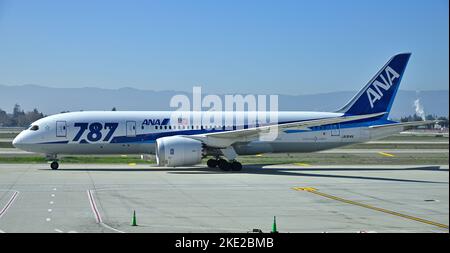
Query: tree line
x=19, y=118
x=443, y=120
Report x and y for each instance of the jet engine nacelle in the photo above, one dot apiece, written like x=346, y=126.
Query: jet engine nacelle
x=176, y=151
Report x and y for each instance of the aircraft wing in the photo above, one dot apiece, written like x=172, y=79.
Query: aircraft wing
x=225, y=139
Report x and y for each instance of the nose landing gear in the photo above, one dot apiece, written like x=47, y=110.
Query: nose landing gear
x=54, y=165
x=52, y=157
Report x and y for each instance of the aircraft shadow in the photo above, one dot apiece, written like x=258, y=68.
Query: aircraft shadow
x=259, y=170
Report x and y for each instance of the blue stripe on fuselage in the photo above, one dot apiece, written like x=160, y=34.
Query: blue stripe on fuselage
x=55, y=142
x=151, y=137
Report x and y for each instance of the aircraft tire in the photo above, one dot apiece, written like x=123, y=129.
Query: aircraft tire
x=54, y=165
x=223, y=165
x=212, y=163
x=236, y=166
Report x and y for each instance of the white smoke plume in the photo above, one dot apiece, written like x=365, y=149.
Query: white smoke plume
x=419, y=109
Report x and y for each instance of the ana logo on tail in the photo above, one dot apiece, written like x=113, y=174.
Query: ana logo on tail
x=374, y=92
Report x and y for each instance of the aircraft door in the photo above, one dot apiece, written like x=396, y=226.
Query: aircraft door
x=61, y=129
x=335, y=130
x=131, y=128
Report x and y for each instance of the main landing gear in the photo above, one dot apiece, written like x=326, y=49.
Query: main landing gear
x=224, y=165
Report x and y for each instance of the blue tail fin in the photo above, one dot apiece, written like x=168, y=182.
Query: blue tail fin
x=378, y=95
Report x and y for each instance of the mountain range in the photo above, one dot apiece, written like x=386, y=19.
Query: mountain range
x=54, y=100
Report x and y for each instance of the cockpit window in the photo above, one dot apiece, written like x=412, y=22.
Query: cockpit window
x=34, y=128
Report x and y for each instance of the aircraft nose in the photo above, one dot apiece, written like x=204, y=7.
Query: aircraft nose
x=18, y=140
x=25, y=141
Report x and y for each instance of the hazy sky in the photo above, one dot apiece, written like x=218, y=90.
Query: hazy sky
x=242, y=46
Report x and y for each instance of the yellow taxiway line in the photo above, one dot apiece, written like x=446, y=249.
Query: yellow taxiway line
x=315, y=191
x=386, y=154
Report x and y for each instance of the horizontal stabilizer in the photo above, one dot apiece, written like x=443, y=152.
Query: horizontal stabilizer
x=407, y=124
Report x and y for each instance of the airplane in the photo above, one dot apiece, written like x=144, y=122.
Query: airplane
x=181, y=143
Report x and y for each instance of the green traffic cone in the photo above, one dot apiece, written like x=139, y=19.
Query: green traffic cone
x=274, y=226
x=133, y=220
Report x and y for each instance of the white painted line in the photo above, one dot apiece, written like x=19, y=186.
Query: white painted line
x=49, y=210
x=97, y=215
x=48, y=219
x=51, y=202
x=98, y=218
x=106, y=226
x=54, y=189
x=72, y=231
x=2, y=232
x=53, y=195
x=8, y=204
x=58, y=230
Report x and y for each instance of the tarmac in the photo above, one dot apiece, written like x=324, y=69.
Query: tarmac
x=81, y=198
x=18, y=152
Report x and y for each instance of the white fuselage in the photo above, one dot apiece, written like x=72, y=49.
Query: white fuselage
x=115, y=132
